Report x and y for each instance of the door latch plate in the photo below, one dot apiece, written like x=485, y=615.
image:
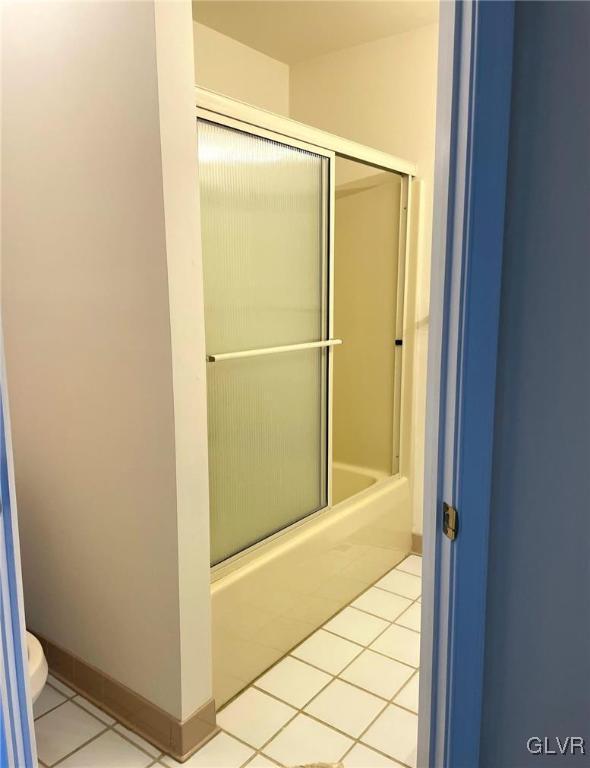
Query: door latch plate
x=450, y=521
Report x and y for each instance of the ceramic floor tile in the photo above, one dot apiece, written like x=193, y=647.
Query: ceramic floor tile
x=412, y=564
x=377, y=674
x=395, y=732
x=401, y=583
x=363, y=757
x=399, y=643
x=327, y=651
x=108, y=751
x=356, y=625
x=138, y=740
x=63, y=730
x=306, y=741
x=411, y=618
x=254, y=717
x=223, y=751
x=345, y=707
x=61, y=687
x=48, y=699
x=408, y=696
x=98, y=713
x=382, y=603
x=293, y=681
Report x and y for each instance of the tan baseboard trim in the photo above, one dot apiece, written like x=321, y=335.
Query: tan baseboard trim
x=177, y=738
x=417, y=543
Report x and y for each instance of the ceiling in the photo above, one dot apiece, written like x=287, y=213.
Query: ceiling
x=295, y=30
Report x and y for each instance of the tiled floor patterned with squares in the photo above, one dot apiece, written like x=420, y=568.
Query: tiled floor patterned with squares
x=349, y=692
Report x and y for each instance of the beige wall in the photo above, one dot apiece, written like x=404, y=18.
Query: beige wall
x=98, y=238
x=383, y=94
x=365, y=286
x=229, y=67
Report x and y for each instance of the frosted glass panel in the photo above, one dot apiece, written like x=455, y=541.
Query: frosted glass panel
x=262, y=239
x=264, y=252
x=266, y=446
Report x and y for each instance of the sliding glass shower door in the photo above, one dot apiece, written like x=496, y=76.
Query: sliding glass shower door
x=264, y=213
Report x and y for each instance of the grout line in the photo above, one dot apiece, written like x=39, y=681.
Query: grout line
x=374, y=615
x=405, y=685
x=57, y=706
x=81, y=746
x=258, y=753
x=396, y=621
x=404, y=560
x=403, y=626
x=55, y=688
x=357, y=742
x=66, y=698
x=113, y=727
x=397, y=594
x=77, y=703
x=359, y=738
x=401, y=688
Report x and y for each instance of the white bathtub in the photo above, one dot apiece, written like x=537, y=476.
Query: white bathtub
x=348, y=480
x=268, y=600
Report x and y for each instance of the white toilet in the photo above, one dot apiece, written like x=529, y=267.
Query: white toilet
x=37, y=666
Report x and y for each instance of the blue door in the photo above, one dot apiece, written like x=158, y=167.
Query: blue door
x=17, y=743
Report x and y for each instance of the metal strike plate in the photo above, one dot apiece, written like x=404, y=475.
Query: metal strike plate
x=450, y=521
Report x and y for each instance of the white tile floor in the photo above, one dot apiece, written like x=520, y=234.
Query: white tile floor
x=73, y=733
x=348, y=693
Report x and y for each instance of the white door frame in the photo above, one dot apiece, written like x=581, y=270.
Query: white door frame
x=475, y=71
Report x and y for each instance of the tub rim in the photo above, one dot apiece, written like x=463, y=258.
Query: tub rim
x=290, y=535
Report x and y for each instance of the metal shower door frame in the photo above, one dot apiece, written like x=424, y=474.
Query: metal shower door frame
x=327, y=306
x=229, y=113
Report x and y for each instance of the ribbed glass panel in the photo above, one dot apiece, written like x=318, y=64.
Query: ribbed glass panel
x=261, y=213
x=266, y=446
x=262, y=209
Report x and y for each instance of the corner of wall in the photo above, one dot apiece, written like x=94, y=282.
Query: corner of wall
x=175, y=65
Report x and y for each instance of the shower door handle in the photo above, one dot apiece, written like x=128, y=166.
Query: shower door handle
x=272, y=350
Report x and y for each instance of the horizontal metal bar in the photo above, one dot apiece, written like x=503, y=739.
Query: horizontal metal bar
x=211, y=101
x=272, y=350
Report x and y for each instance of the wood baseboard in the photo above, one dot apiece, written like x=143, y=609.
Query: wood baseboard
x=177, y=738
x=417, y=543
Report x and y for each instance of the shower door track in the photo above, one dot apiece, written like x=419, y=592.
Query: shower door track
x=222, y=110
x=217, y=106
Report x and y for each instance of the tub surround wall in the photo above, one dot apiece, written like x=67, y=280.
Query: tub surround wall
x=98, y=120
x=366, y=250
